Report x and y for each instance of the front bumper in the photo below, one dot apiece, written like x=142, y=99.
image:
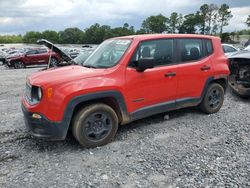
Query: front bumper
x=3, y=60
x=240, y=90
x=44, y=128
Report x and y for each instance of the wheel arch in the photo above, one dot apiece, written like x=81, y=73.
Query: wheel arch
x=223, y=82
x=220, y=79
x=114, y=99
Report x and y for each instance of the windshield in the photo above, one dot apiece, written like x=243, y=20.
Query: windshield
x=108, y=54
x=82, y=57
x=247, y=48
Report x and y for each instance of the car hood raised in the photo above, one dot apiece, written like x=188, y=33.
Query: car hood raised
x=55, y=49
x=243, y=54
x=63, y=74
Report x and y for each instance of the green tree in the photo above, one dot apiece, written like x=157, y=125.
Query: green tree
x=224, y=15
x=96, y=33
x=248, y=21
x=190, y=23
x=32, y=37
x=5, y=39
x=211, y=19
x=233, y=35
x=51, y=36
x=140, y=31
x=208, y=16
x=225, y=37
x=204, y=14
x=71, y=36
x=155, y=24
x=179, y=22
x=123, y=31
x=174, y=21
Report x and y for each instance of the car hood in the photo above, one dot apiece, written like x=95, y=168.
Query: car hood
x=55, y=49
x=243, y=54
x=63, y=74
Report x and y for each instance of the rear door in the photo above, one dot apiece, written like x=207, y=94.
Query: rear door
x=31, y=57
x=194, y=66
x=42, y=56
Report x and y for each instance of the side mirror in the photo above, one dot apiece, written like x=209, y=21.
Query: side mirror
x=145, y=63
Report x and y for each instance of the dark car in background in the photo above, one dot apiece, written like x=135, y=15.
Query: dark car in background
x=35, y=56
x=3, y=56
x=67, y=58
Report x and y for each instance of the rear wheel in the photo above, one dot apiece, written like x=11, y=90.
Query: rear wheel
x=213, y=99
x=95, y=125
x=19, y=65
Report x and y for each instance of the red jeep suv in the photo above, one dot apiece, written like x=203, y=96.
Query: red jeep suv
x=126, y=79
x=39, y=56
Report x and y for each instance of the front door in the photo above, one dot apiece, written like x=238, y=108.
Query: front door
x=155, y=86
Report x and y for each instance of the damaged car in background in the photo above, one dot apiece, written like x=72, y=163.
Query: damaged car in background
x=239, y=79
x=66, y=57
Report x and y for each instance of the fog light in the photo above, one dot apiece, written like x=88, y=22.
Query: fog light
x=36, y=116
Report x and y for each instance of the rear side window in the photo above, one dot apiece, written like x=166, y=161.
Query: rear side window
x=159, y=50
x=209, y=46
x=191, y=49
x=42, y=51
x=228, y=49
x=32, y=52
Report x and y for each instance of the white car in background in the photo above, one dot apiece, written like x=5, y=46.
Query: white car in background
x=247, y=48
x=229, y=49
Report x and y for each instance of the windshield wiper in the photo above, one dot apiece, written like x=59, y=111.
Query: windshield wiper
x=89, y=66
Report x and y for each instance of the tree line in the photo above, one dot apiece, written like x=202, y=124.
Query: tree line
x=210, y=19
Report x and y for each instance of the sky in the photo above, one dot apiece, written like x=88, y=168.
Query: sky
x=20, y=16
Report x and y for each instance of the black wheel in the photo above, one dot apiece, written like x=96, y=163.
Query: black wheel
x=19, y=65
x=53, y=62
x=95, y=125
x=213, y=99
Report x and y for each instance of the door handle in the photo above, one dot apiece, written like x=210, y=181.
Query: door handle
x=170, y=74
x=205, y=68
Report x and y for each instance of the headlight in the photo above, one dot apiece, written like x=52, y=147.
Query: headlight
x=33, y=94
x=39, y=93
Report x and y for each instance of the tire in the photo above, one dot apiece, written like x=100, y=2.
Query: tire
x=19, y=65
x=95, y=125
x=213, y=99
x=233, y=92
x=53, y=62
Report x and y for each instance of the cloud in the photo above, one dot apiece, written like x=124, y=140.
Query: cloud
x=240, y=15
x=19, y=16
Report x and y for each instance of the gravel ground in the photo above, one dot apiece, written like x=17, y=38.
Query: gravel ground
x=187, y=149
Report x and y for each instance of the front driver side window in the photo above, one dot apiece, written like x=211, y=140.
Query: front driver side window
x=161, y=51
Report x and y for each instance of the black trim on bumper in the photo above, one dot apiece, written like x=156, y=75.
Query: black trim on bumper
x=43, y=128
x=241, y=91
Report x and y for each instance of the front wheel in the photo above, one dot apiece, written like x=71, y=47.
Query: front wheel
x=213, y=99
x=53, y=62
x=19, y=65
x=95, y=125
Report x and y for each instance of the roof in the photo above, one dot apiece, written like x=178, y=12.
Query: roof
x=157, y=36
